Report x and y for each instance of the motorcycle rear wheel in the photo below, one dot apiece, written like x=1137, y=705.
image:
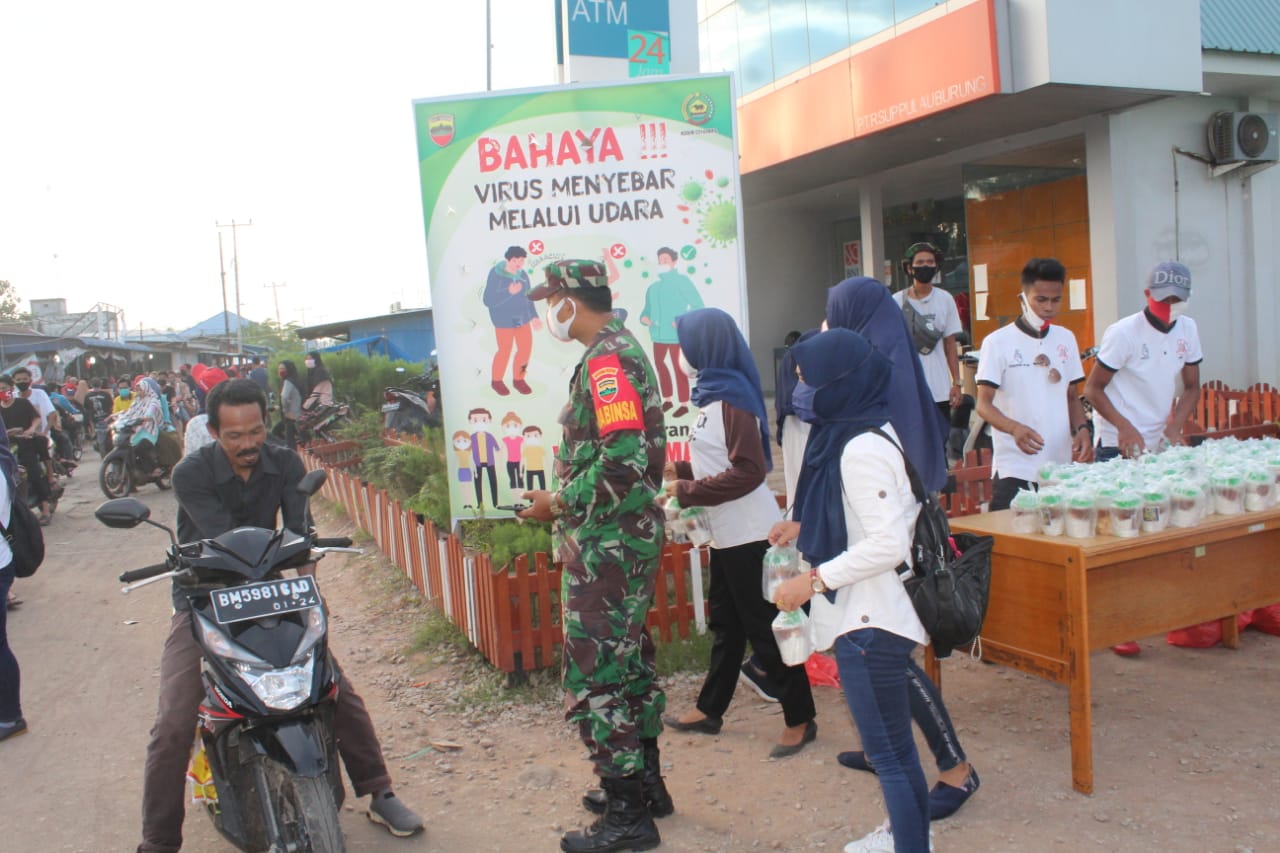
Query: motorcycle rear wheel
x=114, y=478
x=305, y=811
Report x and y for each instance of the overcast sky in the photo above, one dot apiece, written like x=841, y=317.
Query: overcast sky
x=127, y=130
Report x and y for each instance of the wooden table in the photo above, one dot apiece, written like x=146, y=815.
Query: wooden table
x=1054, y=600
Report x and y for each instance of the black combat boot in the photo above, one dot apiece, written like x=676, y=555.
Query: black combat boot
x=655, y=790
x=626, y=824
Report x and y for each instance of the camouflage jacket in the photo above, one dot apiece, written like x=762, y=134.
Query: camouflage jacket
x=610, y=458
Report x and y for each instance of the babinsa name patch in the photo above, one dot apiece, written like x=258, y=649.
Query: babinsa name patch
x=616, y=399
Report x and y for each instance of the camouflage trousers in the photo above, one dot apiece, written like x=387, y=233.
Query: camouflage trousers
x=608, y=675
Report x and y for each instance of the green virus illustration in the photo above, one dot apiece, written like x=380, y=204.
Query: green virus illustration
x=708, y=204
x=720, y=224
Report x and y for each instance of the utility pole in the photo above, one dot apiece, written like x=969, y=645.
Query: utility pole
x=235, y=262
x=222, y=268
x=488, y=46
x=275, y=294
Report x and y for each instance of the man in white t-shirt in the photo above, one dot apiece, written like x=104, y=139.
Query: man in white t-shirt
x=1147, y=380
x=934, y=322
x=1028, y=387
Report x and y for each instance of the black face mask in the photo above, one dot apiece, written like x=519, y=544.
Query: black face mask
x=924, y=275
x=22, y=386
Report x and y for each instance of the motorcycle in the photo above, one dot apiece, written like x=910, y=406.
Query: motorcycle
x=322, y=422
x=121, y=472
x=415, y=406
x=268, y=760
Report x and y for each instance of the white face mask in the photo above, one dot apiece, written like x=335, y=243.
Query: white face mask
x=558, y=328
x=1031, y=318
x=1177, y=309
x=687, y=369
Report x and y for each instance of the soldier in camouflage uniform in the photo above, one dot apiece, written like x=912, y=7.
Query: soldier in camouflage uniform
x=608, y=538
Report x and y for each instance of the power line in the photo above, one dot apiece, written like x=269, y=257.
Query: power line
x=235, y=262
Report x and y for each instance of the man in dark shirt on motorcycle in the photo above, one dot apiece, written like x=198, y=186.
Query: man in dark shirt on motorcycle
x=241, y=481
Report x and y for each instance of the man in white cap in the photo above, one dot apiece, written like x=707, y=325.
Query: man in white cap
x=1147, y=379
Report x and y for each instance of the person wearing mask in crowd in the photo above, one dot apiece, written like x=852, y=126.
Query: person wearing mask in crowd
x=290, y=401
x=11, y=720
x=20, y=421
x=792, y=432
x=863, y=305
x=858, y=514
x=730, y=458
x=238, y=481
x=1029, y=375
x=319, y=384
x=933, y=322
x=98, y=402
x=124, y=398
x=146, y=414
x=607, y=531
x=1146, y=382
x=258, y=373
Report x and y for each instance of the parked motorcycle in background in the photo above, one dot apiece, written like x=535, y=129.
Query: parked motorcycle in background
x=414, y=406
x=267, y=768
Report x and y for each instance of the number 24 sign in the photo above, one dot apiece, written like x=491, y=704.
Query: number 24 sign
x=650, y=53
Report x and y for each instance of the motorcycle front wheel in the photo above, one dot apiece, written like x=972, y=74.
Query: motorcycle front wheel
x=305, y=812
x=113, y=477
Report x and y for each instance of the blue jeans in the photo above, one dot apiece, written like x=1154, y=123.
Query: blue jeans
x=873, y=672
x=932, y=718
x=10, y=705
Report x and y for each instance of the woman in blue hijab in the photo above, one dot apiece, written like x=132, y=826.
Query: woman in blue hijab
x=865, y=306
x=859, y=513
x=11, y=721
x=858, y=517
x=729, y=458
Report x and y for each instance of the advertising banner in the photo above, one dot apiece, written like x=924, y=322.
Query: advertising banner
x=641, y=176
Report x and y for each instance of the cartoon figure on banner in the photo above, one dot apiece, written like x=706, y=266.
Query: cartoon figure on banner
x=484, y=454
x=462, y=452
x=672, y=295
x=514, y=320
x=513, y=439
x=533, y=456
x=611, y=256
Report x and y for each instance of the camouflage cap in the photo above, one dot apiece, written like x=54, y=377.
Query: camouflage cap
x=570, y=275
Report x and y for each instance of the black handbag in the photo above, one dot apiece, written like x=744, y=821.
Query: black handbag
x=949, y=590
x=25, y=538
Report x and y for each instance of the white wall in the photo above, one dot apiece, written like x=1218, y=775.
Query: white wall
x=1134, y=44
x=1226, y=230
x=788, y=264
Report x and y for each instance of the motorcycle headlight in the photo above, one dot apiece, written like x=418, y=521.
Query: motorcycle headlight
x=316, y=624
x=220, y=644
x=281, y=689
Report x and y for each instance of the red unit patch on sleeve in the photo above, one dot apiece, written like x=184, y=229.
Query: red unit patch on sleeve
x=617, y=401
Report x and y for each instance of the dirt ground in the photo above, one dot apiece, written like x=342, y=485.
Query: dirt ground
x=1186, y=743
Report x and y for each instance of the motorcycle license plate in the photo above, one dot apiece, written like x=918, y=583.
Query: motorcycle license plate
x=269, y=598
x=390, y=407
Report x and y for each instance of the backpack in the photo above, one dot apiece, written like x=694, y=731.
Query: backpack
x=949, y=585
x=25, y=538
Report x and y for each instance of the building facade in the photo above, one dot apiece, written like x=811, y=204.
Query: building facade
x=1003, y=130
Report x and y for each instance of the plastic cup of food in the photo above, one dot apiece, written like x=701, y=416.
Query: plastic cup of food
x=1052, y=515
x=1082, y=517
x=1155, y=510
x=1026, y=512
x=1126, y=516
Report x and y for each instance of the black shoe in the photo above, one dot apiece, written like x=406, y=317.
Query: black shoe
x=656, y=796
x=754, y=677
x=705, y=726
x=855, y=760
x=13, y=729
x=810, y=732
x=626, y=824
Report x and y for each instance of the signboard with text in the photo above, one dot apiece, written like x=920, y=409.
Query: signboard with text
x=640, y=176
x=602, y=27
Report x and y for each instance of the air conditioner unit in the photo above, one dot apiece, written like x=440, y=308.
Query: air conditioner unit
x=1244, y=138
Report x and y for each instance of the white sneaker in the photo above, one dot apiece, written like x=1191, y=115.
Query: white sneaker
x=879, y=841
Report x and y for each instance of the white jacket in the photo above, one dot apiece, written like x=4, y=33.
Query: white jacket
x=880, y=514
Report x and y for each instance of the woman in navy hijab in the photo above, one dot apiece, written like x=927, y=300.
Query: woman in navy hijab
x=729, y=458
x=865, y=306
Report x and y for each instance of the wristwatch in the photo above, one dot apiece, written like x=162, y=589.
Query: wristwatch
x=815, y=581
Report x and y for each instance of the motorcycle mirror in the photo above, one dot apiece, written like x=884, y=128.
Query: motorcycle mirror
x=123, y=513
x=312, y=481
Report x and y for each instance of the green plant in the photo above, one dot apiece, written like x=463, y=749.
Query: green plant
x=365, y=429
x=504, y=539
x=436, y=630
x=679, y=655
